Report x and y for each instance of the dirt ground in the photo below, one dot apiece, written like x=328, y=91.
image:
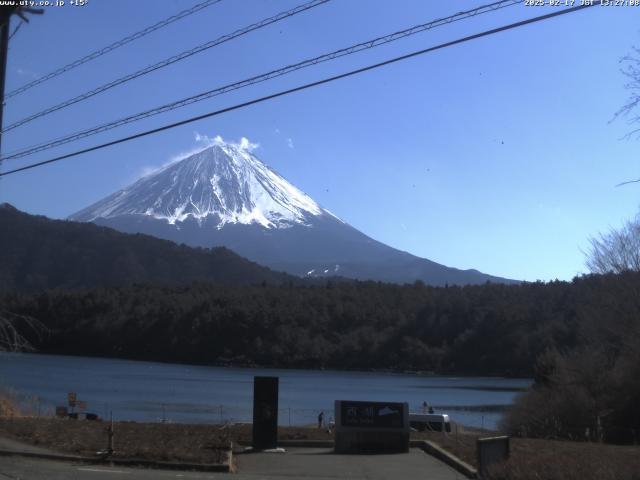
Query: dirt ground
x=530, y=458
x=153, y=441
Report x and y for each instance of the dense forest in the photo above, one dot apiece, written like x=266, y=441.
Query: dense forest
x=38, y=253
x=489, y=329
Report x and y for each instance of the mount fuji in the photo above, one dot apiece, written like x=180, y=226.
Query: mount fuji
x=224, y=195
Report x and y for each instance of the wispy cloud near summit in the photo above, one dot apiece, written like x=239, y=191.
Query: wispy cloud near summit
x=203, y=141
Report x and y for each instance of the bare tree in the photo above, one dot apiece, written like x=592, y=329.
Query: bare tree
x=616, y=251
x=11, y=328
x=619, y=250
x=631, y=70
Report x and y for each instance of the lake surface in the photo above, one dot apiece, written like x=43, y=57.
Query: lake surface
x=149, y=391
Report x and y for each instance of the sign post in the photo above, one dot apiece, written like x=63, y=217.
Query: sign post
x=265, y=413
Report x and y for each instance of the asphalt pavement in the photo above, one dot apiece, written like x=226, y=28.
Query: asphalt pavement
x=22, y=468
x=323, y=464
x=310, y=463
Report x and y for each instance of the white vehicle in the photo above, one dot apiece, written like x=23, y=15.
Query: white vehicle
x=437, y=422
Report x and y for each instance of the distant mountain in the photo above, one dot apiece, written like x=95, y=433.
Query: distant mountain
x=225, y=196
x=38, y=253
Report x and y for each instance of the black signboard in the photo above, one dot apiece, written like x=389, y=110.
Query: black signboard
x=265, y=413
x=372, y=414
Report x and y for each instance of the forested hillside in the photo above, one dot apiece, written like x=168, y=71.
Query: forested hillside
x=489, y=329
x=38, y=253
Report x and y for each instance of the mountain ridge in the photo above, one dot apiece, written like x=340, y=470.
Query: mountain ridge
x=38, y=253
x=224, y=195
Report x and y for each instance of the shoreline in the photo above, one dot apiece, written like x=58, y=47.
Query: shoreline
x=185, y=393
x=386, y=371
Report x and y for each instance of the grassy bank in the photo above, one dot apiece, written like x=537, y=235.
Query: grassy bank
x=536, y=459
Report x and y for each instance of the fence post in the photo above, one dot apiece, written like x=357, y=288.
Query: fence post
x=110, y=436
x=457, y=447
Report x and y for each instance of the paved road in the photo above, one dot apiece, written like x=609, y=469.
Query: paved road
x=323, y=464
x=311, y=463
x=21, y=468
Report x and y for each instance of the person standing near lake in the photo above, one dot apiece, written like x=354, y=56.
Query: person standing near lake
x=320, y=419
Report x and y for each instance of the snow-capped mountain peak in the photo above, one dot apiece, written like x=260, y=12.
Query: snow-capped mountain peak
x=224, y=181
x=223, y=195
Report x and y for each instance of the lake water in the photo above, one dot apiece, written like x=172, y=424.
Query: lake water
x=148, y=391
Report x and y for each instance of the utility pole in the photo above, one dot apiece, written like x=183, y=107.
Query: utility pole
x=5, y=20
x=4, y=48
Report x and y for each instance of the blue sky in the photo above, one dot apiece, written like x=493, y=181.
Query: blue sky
x=497, y=154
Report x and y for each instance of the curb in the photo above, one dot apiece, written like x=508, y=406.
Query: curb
x=299, y=443
x=130, y=462
x=45, y=456
x=446, y=457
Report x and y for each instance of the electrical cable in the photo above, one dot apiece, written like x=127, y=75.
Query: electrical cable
x=15, y=30
x=113, y=46
x=304, y=87
x=26, y=151
x=166, y=62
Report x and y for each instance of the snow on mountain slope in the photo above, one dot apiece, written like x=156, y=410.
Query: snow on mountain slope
x=224, y=196
x=224, y=180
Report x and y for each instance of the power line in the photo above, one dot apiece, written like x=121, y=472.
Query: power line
x=164, y=63
x=15, y=30
x=113, y=46
x=303, y=87
x=4, y=49
x=23, y=152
